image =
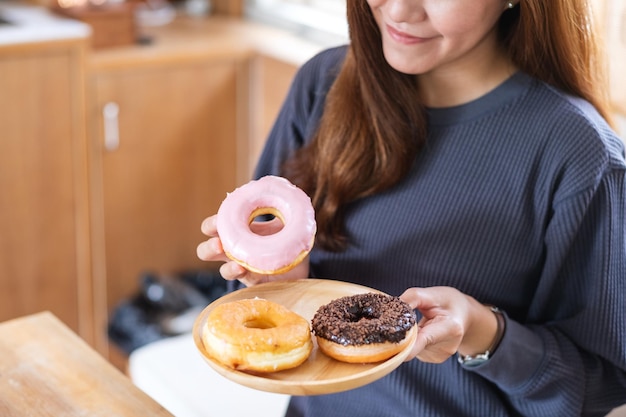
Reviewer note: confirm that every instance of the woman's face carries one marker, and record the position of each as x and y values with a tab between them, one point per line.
421	36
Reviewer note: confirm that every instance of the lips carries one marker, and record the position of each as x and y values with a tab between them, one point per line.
403	37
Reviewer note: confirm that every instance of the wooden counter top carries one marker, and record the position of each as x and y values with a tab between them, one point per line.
187	39
47	370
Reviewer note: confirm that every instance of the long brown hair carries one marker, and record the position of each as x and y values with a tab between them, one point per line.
374	125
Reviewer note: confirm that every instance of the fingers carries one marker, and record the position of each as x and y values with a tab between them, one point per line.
232	270
440	339
436	340
442	326
211	250
425	299
209	226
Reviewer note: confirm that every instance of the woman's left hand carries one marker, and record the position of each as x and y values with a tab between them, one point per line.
451	322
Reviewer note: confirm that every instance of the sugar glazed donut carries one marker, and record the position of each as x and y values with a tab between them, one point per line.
364	328
257	335
270	254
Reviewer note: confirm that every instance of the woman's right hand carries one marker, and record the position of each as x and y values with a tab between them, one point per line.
211	250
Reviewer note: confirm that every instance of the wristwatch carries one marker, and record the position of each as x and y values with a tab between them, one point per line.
480	358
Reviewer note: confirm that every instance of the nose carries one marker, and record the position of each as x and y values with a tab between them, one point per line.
406	11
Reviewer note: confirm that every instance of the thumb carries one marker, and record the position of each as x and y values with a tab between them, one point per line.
422	298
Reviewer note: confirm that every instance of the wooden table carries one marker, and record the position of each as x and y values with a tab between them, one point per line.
47	370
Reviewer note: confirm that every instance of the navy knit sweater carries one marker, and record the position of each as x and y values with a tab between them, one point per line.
519	200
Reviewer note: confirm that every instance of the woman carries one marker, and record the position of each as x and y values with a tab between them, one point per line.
457	154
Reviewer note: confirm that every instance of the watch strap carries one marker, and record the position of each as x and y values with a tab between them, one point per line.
474	360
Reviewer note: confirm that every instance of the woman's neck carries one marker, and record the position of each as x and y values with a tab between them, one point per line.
465	80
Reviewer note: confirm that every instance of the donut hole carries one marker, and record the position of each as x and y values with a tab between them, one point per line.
357	313
259	323
265	221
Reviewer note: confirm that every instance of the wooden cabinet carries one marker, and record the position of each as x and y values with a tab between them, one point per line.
110	160
270	79
164	149
229	7
44	236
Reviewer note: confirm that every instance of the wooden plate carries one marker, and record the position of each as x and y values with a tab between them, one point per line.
319	374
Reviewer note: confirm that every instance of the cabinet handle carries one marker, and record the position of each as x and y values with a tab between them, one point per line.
110	113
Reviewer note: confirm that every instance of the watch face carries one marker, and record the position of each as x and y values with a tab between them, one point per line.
474	360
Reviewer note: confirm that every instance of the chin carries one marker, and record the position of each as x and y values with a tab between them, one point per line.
405	63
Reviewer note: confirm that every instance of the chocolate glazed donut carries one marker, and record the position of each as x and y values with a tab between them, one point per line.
364	328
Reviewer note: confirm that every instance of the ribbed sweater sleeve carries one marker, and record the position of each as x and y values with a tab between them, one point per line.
517	199
574	363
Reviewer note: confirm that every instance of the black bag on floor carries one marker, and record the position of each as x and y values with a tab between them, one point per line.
165	306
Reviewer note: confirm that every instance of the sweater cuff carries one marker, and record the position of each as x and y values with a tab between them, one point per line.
519	356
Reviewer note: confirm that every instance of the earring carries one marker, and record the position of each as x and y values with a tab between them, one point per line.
510	5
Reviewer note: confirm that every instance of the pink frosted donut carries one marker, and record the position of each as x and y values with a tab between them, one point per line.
275	253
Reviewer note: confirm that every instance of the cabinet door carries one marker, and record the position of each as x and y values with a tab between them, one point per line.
271	79
165	158
44	247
